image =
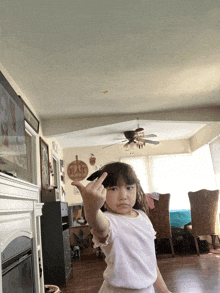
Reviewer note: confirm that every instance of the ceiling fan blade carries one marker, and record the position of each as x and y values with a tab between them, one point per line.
121	140
106	146
139	129
151	141
150	135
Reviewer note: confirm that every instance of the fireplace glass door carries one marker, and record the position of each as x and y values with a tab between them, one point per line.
17	269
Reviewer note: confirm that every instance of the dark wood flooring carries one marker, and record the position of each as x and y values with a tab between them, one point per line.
182	274
87	275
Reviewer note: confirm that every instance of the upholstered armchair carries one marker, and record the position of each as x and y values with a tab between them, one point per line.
160	218
204	215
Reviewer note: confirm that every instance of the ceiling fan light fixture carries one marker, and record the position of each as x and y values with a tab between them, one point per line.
140	144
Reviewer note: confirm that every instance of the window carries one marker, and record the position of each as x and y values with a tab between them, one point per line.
179	174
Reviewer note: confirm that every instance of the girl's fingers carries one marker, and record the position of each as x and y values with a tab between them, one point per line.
104	191
78	185
92	187
100	188
101	178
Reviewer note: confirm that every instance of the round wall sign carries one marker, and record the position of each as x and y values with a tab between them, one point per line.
77	170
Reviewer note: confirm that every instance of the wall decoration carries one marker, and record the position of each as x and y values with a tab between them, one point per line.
77	170
44	164
92	159
30	117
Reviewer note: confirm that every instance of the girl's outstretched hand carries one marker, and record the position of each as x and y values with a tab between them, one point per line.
93	194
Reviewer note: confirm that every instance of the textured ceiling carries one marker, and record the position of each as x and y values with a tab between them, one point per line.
113	134
89	58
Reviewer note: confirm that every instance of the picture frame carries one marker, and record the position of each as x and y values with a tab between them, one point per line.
29	117
44	164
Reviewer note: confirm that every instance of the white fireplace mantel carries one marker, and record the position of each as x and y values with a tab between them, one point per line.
20	213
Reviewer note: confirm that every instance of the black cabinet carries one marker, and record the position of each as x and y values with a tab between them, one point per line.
56	243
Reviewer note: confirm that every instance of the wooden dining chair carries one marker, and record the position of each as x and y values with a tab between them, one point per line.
160	218
204	215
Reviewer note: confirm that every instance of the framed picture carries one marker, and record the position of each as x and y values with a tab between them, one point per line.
13	150
44	163
30	117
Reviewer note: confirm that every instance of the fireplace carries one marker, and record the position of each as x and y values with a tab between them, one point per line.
17	266
20	237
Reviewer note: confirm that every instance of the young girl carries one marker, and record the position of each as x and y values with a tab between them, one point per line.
116	210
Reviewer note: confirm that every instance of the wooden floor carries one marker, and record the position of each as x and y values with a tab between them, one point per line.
87	276
182	274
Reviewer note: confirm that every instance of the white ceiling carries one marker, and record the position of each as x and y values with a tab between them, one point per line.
79	58
113	134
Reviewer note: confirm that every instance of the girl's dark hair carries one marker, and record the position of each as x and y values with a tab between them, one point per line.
117	170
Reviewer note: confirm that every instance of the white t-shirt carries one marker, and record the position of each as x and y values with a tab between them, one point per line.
130	251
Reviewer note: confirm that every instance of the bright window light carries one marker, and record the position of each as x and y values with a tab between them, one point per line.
139	165
179	174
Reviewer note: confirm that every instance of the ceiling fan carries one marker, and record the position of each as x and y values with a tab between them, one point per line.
138	138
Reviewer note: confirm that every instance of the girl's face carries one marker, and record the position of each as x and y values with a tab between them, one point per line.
121	198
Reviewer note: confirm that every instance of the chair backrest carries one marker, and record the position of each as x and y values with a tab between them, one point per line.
160	216
204	211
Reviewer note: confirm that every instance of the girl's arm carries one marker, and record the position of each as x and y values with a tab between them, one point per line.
160	284
99	224
94	196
